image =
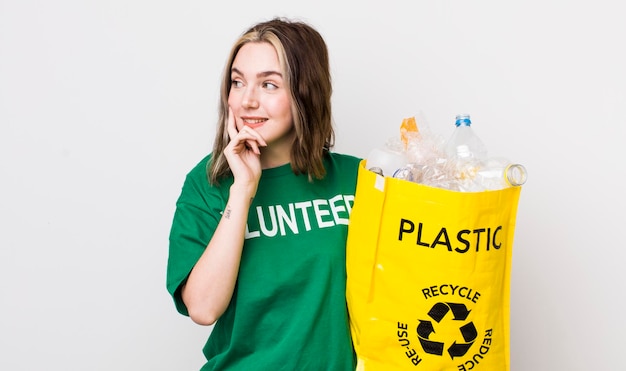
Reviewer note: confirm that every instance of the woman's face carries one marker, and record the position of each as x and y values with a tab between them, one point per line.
259	97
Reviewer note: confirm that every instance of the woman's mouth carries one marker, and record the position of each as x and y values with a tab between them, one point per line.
253	123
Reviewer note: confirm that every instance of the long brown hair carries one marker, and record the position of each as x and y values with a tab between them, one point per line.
303	57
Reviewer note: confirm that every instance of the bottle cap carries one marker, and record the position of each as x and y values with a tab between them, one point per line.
463	119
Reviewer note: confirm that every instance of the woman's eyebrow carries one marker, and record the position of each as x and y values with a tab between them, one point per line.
260	74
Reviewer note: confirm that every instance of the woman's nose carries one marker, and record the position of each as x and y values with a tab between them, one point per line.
250	99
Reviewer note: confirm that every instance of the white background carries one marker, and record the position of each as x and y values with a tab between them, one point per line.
106	105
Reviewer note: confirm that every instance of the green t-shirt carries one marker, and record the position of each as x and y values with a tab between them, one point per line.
288	310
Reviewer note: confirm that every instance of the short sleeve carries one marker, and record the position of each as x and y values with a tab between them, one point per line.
198	211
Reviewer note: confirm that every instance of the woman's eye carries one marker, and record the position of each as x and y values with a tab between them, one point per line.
270	86
236	83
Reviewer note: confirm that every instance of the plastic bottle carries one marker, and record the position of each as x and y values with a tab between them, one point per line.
385	161
464	151
499	173
464	142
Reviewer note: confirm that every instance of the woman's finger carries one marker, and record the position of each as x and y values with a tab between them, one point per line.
253	145
250	136
231	127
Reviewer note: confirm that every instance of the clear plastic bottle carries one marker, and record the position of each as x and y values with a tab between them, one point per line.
464	142
464	152
499	173
385	161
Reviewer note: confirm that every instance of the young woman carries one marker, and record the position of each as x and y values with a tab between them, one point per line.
257	244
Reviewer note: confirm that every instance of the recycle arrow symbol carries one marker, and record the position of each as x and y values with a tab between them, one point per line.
437	313
439	310
460	311
469	335
424	329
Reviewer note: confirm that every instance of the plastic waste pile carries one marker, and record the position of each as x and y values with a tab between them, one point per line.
460	163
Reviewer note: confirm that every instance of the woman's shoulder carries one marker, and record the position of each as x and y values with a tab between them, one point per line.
199	170
343	163
344	158
197	189
198	176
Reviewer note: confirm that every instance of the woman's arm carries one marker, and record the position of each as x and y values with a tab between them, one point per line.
211	283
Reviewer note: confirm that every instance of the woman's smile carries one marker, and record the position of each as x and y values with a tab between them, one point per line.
253	122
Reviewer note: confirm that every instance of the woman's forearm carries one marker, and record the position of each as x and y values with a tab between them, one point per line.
211	282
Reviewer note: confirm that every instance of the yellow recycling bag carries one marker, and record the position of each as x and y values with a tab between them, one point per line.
429	276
